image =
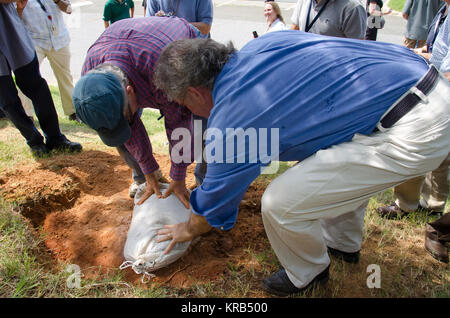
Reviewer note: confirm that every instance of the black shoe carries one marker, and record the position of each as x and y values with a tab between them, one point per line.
391	212
279	283
39	150
65	145
345	256
430	211
74	117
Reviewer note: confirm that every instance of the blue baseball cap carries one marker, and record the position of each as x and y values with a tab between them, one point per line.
98	99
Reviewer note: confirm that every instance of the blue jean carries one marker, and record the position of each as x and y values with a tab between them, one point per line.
136	172
31	83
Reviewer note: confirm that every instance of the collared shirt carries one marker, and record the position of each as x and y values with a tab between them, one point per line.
192	10
341	18
420	15
440	56
277	25
47	33
435	26
134	45
16	46
115	10
321	92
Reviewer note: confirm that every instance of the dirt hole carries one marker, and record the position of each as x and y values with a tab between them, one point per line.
80	205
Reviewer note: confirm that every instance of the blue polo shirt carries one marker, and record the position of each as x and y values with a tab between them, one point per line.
191	11
317	91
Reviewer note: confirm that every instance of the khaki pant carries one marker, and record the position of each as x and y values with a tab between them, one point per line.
433	187
412	44
321	201
60	64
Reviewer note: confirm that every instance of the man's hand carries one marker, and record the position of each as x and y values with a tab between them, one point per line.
405	16
179	189
152	186
160	13
447	76
202	27
21	4
183	232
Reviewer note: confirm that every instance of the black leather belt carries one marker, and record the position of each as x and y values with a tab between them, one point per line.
417	93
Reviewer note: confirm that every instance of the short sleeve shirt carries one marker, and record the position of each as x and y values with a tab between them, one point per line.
341	18
115	10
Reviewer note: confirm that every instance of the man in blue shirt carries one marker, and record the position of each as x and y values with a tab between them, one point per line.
197	12
355	114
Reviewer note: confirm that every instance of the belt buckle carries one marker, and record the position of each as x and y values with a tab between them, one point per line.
380	127
414	90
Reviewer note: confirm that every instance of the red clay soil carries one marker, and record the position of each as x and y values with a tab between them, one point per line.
80	204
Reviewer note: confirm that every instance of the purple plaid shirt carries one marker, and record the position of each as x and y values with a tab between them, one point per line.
134	45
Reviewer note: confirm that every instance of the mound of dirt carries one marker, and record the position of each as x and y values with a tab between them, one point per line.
81	206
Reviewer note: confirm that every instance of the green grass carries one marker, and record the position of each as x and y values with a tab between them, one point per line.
27	269
396	5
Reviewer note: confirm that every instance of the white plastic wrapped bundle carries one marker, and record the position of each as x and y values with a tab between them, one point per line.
141	251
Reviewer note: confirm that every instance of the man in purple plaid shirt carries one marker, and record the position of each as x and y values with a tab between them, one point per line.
117	80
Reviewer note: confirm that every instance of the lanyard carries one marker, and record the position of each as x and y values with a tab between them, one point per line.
309	26
45	10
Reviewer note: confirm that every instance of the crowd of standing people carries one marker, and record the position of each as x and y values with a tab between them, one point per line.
354	112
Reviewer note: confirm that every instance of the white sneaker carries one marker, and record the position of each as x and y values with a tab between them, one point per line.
133	189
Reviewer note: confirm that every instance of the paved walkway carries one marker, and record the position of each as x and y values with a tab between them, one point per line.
234	20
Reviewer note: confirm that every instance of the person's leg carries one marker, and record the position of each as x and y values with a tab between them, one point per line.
338	181
200	168
137	174
26	102
435	189
344	233
29	80
12	107
371	34
408	194
60	63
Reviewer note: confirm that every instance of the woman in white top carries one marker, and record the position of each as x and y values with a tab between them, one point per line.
273	16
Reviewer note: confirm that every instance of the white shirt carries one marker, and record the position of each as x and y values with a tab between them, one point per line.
46	33
440	56
277	25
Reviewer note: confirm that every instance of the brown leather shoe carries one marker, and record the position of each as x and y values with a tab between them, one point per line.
391	212
434	246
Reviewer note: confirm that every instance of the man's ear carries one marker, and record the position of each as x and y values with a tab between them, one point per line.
195	94
132	99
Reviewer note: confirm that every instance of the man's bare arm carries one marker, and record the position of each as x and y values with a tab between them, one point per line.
63	5
202	27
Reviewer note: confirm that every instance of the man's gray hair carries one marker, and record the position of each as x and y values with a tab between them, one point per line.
110	68
190	63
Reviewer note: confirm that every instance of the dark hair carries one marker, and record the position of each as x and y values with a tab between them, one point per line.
190	63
